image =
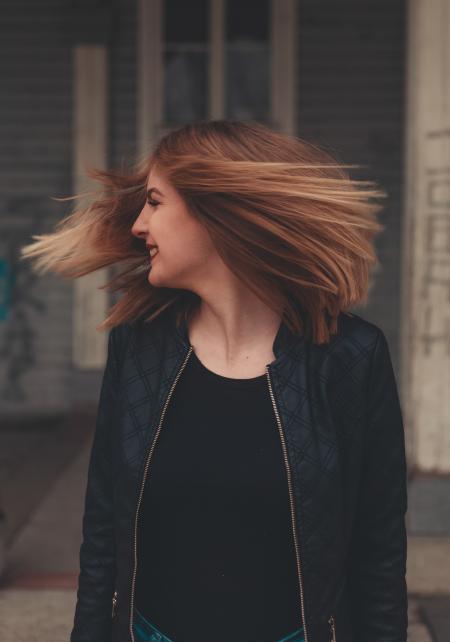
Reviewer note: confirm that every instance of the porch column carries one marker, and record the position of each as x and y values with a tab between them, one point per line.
90	304
426	292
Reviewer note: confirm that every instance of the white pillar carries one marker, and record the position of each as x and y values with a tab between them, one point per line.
426	293
90	150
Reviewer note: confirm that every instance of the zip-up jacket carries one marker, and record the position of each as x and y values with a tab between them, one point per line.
341	430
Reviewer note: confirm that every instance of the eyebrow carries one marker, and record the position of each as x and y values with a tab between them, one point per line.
153	189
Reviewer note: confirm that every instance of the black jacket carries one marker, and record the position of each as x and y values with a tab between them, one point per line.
341	430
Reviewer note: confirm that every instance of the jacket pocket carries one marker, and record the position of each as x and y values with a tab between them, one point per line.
339	623
334	617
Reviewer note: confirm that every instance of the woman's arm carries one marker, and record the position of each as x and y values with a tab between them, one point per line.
92	620
378	588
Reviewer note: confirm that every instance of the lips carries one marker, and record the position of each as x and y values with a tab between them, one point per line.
150	247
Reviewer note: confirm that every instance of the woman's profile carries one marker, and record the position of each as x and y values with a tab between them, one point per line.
247	478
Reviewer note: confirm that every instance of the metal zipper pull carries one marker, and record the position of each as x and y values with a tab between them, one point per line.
114	603
333	629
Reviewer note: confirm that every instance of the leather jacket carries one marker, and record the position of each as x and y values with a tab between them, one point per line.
342	435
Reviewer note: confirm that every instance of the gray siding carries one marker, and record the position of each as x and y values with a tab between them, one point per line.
123	62
351	62
35	161
36	372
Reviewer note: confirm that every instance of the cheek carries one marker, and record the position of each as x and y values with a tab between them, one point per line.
181	238
198	249
185	256
187	237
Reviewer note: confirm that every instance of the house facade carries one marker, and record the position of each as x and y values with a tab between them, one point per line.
95	83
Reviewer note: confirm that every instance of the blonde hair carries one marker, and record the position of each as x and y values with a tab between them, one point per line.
284	216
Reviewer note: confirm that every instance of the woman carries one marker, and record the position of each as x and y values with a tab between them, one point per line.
247	478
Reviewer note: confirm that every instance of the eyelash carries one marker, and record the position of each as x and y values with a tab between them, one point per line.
152	202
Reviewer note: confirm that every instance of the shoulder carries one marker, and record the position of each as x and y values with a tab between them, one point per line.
366	338
357	331
351	350
136	335
369	341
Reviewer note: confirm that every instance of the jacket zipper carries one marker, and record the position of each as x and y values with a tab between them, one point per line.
114	603
291	500
333	628
152	447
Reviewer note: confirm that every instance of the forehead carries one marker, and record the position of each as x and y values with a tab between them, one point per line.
160	184
156	179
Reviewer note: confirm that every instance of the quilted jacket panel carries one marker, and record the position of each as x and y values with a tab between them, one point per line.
340	413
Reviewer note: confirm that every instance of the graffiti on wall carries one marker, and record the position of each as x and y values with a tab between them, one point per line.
19	300
436	243
5	288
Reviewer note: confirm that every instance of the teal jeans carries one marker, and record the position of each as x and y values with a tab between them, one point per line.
144	631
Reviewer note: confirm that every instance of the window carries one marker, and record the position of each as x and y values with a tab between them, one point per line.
215	59
185	53
247	60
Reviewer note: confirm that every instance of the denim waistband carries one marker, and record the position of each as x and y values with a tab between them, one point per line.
145	631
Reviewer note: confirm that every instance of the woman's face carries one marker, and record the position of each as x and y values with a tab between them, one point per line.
185	251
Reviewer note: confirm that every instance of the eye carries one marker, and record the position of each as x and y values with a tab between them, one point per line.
152	202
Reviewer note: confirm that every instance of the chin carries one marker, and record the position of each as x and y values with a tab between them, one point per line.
155	280
152	278
159	281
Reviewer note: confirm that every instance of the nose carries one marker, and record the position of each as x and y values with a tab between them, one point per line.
140	225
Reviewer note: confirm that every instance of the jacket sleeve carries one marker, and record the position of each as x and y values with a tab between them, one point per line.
379	603
92	620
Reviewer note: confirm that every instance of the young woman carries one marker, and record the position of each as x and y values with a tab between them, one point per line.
247	479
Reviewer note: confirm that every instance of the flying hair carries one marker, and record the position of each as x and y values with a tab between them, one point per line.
283	214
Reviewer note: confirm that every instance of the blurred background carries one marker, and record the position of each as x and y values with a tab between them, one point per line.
96	83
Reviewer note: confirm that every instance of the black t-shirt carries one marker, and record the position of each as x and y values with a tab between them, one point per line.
216	556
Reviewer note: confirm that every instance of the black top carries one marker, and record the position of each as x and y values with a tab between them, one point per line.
216	556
